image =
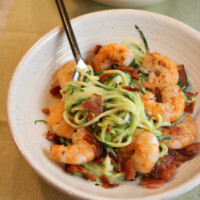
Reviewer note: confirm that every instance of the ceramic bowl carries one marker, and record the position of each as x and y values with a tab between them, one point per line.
29	93
128	3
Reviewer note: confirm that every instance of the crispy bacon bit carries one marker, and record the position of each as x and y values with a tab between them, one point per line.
83	171
46	111
152	183
109	128
96	49
175	130
56	92
128	88
191	150
105	182
120	164
164	171
158	95
190	94
98	146
94	104
52	137
102	157
49	135
133	72
189	107
104	77
129	170
90	116
182	74
113	157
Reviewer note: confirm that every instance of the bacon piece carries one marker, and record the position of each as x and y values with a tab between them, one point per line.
90	116
189	107
191	150
46	111
101	158
190	94
164	171
152	183
128	88
175	130
120	163
94	104
98	146
113	157
158	95
52	137
56	92
82	170
133	72
129	170
105	77
96	49
182	74
105	182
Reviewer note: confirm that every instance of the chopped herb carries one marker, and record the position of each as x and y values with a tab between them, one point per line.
143	37
134	65
164	137
97	184
40	120
62	141
79	174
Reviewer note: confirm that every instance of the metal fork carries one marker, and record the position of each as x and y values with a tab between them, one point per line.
71	37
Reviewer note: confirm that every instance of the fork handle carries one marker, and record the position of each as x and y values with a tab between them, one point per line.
68	30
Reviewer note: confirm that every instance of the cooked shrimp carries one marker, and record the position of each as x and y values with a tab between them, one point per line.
183	135
57	123
65	73
112	54
162	71
79	153
171	108
146	147
146	154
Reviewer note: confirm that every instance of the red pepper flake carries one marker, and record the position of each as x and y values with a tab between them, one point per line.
56	92
175	130
189	107
158	95
46	111
82	170
182	74
109	128
129	170
133	72
96	49
94	104
152	183
128	88
90	116
105	182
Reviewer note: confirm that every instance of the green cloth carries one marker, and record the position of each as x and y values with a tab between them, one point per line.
28	21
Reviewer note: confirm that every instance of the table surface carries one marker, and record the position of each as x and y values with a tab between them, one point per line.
27	22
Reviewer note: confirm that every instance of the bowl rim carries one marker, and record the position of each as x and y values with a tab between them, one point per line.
73	192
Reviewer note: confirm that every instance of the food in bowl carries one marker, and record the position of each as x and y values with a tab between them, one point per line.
128	116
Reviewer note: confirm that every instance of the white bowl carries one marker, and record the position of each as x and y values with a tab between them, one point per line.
29	93
126	3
